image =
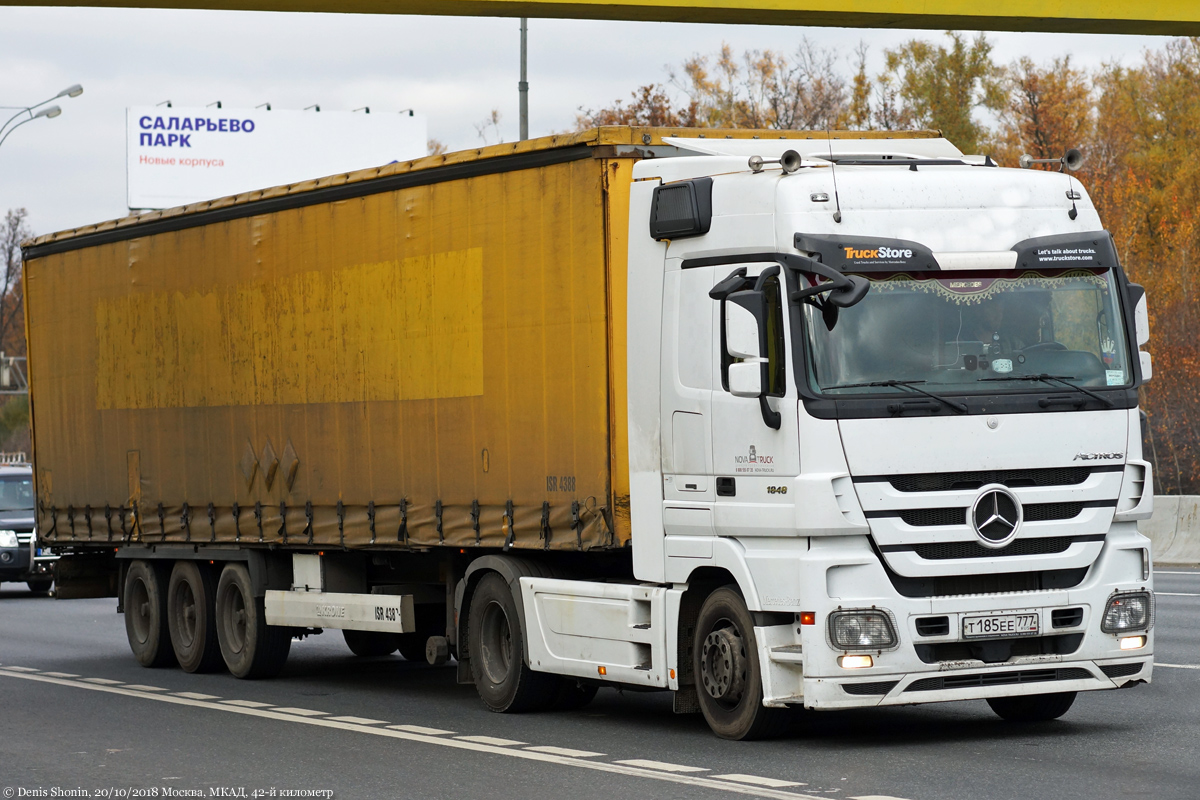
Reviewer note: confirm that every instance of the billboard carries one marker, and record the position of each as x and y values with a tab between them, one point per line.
177	156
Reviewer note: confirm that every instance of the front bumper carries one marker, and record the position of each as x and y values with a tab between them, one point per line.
944	667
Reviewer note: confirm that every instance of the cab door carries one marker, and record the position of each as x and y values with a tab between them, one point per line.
755	464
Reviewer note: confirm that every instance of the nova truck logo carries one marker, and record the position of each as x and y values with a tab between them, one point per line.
754	462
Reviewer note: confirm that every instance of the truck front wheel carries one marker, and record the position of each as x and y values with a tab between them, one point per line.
251	648
725	663
190	617
145	601
1033	707
497	647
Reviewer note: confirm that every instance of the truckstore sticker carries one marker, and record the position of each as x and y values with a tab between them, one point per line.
754	464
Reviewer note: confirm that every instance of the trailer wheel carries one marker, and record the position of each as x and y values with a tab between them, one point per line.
1033	707
145	604
725	663
497	647
370	643
191	617
251	648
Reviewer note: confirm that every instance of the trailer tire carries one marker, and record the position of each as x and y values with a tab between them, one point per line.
191	617
1032	707
366	644
497	647
251	648
728	676
145	602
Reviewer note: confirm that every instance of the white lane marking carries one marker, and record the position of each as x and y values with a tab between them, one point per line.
876	797
104	681
300	712
196	696
546	758
420	729
1165	572
246	703
359	720
663	765
564	751
755	780
1178	594
1177	666
59	674
21	669
141	687
489	740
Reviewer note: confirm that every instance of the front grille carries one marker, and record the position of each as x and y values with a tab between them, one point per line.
878	687
1066	617
1033	512
1012	478
939	551
998	651
1121	670
998	679
24	538
1003	583
929	517
1043	512
933	626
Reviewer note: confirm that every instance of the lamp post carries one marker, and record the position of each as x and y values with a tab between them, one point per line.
50	112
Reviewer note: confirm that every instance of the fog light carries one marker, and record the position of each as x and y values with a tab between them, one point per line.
1128	611
854	662
861	630
1133	642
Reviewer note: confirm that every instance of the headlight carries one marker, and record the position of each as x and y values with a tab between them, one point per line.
861	630
8	538
1128	611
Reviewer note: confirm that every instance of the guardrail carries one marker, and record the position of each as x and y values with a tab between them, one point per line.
1174	529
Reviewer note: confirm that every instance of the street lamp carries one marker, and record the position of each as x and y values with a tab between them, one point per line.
50	112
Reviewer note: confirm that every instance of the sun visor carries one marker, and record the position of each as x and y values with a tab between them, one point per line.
867	253
1064	250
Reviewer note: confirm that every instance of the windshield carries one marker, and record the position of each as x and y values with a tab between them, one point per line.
16	492
962	327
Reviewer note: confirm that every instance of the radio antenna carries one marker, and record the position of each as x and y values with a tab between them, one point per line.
837	214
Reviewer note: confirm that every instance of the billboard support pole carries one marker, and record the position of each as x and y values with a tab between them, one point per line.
523	86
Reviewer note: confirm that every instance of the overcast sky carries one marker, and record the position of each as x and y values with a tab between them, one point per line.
70	171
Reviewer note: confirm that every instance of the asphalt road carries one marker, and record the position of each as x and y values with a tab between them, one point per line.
78	713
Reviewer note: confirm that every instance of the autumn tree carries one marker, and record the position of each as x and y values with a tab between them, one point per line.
940	87
1049	109
12	296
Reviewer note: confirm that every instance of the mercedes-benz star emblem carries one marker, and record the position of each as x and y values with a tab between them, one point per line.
996	515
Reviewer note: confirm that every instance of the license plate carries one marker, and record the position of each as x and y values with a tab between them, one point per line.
997	626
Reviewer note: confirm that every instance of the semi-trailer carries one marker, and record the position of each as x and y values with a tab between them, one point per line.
764	419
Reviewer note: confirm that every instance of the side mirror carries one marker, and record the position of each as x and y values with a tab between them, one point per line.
745	379
1141	320
745	322
1143	356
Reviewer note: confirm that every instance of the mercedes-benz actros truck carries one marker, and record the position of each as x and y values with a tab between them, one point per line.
764	419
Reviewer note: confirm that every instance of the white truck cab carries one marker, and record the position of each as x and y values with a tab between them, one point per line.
890	392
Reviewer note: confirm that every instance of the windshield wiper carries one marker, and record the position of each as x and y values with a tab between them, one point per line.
1063	380
959	407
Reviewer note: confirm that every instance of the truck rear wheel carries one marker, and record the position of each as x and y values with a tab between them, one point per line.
251	648
728	677
370	643
145	602
497	648
191	619
40	586
1032	707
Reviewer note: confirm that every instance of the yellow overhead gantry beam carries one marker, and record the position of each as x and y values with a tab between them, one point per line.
1164	17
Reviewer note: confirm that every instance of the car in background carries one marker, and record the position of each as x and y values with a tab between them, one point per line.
21	560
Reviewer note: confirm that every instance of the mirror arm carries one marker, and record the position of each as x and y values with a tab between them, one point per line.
771	417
